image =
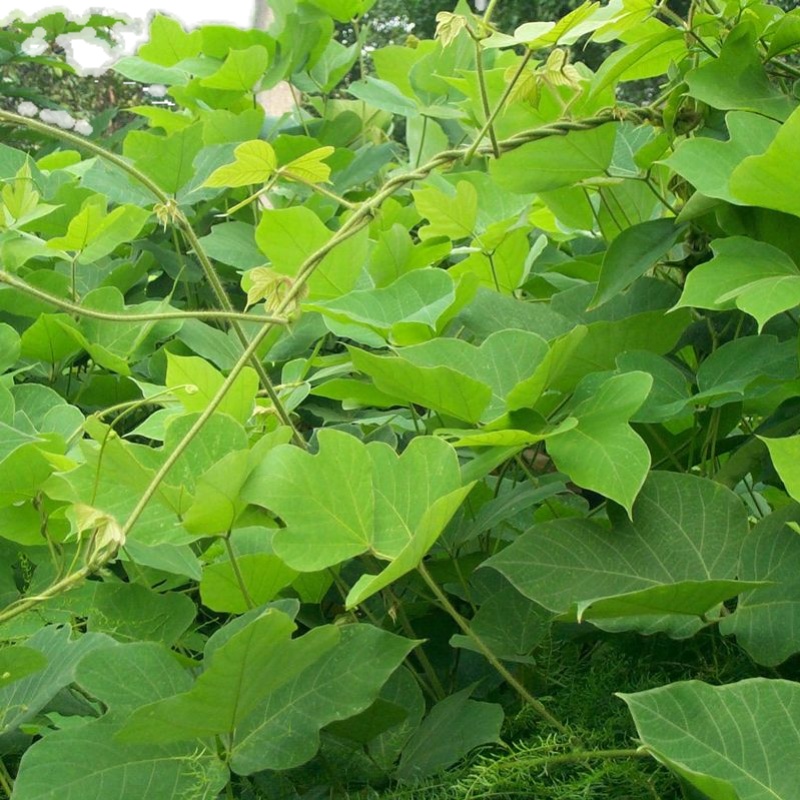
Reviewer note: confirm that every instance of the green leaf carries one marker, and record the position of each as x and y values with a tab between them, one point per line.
454	727
130	612
289	236
10	346
556	161
762	180
255	163
405	312
262	575
745	367
602	452
754	276
453	216
371	501
383	95
708	163
785	455
283	732
241	71
19	661
166	159
684	530
23	699
243	671
232	243
692	598
195	382
737	78
91	765
439	388
767	620
715	736
636	250
310	167
94	234
168	43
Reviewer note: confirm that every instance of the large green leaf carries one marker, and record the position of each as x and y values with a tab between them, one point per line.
442	374
555	161
785	455
763	180
684	530
93	233
195	382
283	731
244	670
91	765
23	699
168	43
371	501
708	163
735	742
737	78
405	312
241	70
451	216
756	277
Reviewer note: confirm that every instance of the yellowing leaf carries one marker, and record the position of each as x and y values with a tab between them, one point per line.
448	26
264	283
310	167
255	163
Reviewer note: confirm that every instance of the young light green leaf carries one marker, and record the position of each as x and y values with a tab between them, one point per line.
310	167
255	163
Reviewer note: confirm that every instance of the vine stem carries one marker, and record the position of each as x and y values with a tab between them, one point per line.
487	15
109	316
487	110
487	652
192	239
498	108
358	220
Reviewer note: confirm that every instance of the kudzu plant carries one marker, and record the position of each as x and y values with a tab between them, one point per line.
343	448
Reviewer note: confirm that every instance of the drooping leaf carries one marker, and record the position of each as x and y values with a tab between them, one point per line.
453	727
636	250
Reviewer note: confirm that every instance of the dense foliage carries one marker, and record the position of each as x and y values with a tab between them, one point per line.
448	422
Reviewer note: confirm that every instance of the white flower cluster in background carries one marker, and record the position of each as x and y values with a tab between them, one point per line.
63	119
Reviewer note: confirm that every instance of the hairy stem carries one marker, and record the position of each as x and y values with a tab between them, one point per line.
109	316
